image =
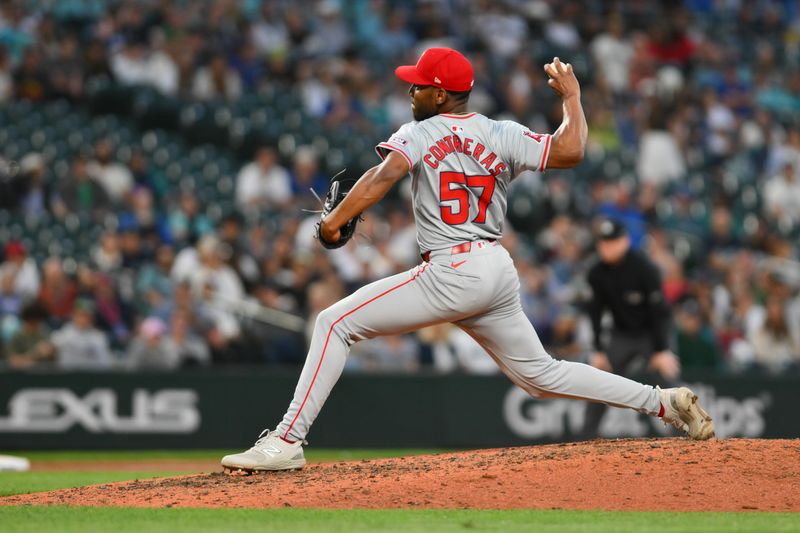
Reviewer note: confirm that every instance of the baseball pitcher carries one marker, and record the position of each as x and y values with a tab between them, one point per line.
461	165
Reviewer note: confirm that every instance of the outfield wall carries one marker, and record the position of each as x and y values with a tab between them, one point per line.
227	409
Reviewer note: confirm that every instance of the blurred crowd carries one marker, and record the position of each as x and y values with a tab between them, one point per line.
694	144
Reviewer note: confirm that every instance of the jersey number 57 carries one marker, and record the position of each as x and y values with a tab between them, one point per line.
460	193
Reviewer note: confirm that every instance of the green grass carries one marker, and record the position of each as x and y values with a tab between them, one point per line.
64	519
24	482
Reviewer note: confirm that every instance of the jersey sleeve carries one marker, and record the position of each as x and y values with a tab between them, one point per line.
405	141
525	150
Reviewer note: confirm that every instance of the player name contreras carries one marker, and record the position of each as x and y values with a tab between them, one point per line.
454	144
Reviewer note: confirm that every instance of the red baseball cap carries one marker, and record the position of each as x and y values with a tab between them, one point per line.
445	68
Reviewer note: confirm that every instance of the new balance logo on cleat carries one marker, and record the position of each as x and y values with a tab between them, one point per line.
270	452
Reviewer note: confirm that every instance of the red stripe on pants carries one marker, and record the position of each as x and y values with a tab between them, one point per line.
328	338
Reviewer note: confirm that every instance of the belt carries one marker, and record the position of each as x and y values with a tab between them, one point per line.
462	248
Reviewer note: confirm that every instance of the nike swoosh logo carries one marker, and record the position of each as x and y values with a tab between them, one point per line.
456	265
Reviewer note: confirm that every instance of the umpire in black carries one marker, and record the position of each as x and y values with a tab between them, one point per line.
627	284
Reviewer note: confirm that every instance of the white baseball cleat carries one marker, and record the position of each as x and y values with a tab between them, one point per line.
682	411
270	452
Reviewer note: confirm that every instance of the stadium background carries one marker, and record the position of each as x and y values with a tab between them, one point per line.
157	162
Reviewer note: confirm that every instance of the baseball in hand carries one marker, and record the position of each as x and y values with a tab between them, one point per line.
562	79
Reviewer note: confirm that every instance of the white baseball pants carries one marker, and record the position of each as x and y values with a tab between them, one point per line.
479	292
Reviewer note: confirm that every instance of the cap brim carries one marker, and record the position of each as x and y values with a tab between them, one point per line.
612	236
409	74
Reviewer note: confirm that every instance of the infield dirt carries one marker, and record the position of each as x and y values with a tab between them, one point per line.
632	474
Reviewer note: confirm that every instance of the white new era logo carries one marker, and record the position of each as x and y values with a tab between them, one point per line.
436	79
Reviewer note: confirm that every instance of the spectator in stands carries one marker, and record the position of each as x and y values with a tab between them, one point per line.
538	301
80	193
306	174
232	240
214	272
65	70
30	79
722	234
257	242
674	282
502	31
97	65
81	346
185	346
107	256
57	293
154	287
695	341
395	38
249	67
136	64
111	315
720	124
144	175
613	52
186	223
115	177
217	287
782	196
143	215
134	254
147	350
775	348
217	80
660	158
30	347
263	183
330	37
10	307
6	78
561	32
161	69
669	43
35	194
20	272
268	32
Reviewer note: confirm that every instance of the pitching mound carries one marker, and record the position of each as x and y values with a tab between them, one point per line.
657	474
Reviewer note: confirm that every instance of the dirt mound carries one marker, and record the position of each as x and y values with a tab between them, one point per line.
654	474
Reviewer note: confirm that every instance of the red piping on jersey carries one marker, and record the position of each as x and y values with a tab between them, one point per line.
448	115
545	154
328	338
398	150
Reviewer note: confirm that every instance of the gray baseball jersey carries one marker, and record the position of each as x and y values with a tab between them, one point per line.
461	166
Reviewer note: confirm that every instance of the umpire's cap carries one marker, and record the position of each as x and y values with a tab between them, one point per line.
610	229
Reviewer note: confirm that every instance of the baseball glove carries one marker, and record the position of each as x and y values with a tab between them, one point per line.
332	199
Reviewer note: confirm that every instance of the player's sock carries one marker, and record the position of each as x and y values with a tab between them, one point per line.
660	410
